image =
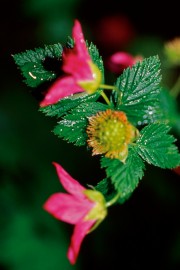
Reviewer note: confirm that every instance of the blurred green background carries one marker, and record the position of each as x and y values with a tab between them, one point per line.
144	232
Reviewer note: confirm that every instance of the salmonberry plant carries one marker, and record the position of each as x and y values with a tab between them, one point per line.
123	123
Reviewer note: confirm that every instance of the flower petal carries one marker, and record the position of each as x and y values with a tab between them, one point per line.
76	60
67	208
63	87
80	231
78	67
69	183
80	43
119	61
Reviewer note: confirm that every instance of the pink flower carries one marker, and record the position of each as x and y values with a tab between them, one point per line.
81	74
119	61
82	207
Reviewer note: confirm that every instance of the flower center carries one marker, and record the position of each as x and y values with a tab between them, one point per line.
109	133
99	211
90	86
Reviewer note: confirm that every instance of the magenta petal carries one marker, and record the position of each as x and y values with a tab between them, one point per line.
76	60
122	58
80	43
80	231
119	61
63	87
78	67
67	208
69	183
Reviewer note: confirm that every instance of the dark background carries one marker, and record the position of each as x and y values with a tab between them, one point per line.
144	232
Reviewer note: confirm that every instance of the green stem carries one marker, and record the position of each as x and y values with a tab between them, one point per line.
175	90
108	87
105	97
111	202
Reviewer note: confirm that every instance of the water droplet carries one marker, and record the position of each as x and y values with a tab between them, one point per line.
34	77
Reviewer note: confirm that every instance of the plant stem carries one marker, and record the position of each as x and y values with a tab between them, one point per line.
105	97
111	202
108	87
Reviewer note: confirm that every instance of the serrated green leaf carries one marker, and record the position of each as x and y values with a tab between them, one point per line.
169	108
125	177
96	58
106	187
139	81
73	126
156	147
138	91
31	62
69	42
143	113
66	104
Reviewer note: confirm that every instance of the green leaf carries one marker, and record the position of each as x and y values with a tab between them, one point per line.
169	108
31	64
66	104
73	126
96	58
69	42
138	91
106	187
125	177
156	147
